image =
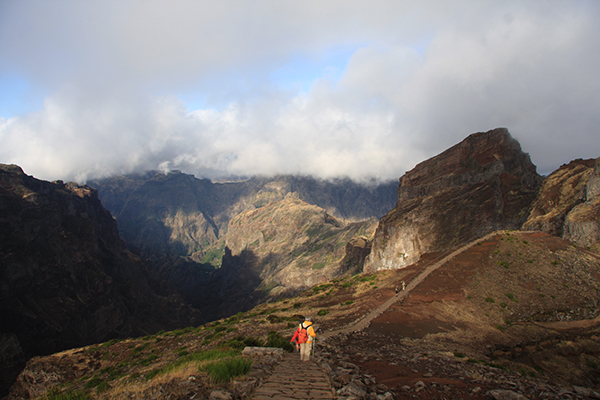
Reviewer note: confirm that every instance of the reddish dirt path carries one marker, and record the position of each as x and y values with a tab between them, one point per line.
420	276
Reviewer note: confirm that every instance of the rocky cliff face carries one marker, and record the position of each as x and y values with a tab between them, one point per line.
296	245
272	252
568	204
67	278
482	184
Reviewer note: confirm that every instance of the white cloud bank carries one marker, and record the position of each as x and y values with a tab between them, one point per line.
421	76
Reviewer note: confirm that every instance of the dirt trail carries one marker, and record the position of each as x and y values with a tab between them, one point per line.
363	323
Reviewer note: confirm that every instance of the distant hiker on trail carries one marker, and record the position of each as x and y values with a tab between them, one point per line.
304	337
295	339
403	286
396	289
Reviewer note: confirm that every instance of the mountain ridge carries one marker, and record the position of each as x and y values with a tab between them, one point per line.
67	277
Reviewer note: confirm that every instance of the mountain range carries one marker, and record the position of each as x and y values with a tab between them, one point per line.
193	251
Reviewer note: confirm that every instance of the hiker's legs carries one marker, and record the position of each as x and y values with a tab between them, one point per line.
305	351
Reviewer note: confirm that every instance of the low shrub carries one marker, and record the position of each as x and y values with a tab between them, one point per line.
511	297
93	382
55	394
225	370
276	340
239	342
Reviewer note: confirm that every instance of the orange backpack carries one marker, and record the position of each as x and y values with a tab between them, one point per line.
303	334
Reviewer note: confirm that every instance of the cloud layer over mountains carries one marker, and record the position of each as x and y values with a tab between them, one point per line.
334	88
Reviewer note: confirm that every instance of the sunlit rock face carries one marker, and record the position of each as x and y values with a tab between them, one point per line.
568	204
482	184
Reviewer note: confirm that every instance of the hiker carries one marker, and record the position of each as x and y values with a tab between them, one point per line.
396	289
295	340
403	286
304	337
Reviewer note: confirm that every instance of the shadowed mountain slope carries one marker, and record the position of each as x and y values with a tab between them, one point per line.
67	279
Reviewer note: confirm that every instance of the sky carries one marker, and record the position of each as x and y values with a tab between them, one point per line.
329	88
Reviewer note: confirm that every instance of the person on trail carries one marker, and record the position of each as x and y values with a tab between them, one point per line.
295	339
403	286
304	337
396	289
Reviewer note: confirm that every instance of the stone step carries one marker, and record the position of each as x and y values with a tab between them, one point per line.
295	379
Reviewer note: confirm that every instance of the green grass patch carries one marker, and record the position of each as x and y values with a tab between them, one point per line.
225	370
322	312
274	339
367	278
111	342
511	297
209	355
93	382
148	360
490	299
318	265
322	287
56	394
238	343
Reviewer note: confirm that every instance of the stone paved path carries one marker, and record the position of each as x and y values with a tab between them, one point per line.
295	379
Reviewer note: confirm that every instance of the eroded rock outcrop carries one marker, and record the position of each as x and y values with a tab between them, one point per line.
482	184
67	278
283	247
568	204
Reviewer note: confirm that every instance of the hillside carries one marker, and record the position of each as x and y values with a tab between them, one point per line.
67	278
514	311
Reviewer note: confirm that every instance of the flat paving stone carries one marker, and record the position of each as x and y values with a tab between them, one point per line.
295	379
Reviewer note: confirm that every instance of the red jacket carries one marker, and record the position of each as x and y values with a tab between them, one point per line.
309	330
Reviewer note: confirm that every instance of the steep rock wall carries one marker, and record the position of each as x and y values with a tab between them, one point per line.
482	184
568	204
67	279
